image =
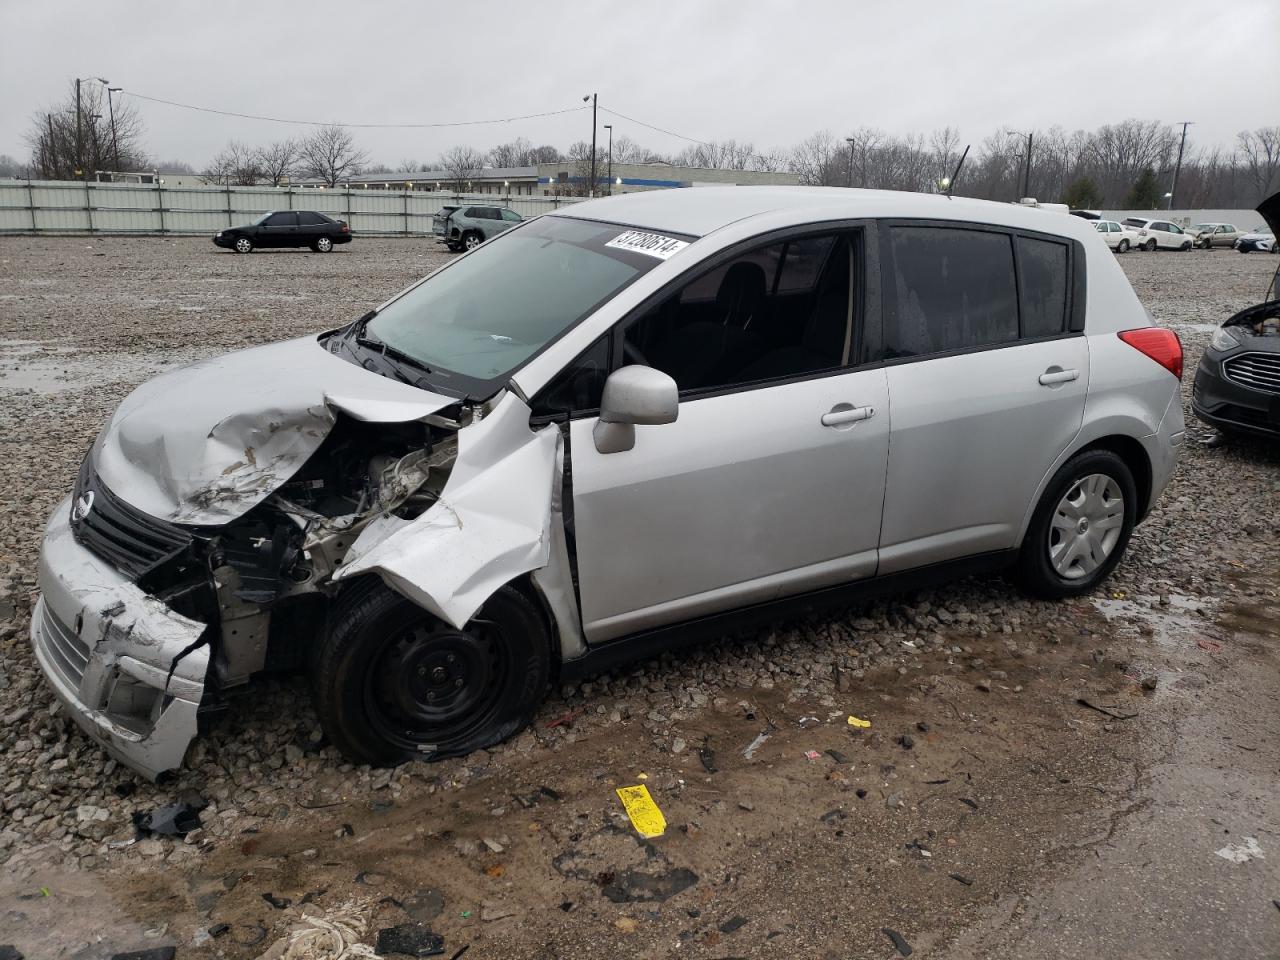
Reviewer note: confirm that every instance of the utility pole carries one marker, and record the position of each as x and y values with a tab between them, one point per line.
592	191
1026	175
79	160
609	127
111	111
849	141
1178	167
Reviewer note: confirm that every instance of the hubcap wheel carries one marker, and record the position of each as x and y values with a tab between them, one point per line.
1086	526
472	242
243	246
325	244
431	685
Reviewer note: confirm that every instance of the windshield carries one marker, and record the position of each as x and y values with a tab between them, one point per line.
261	220
1204	226
493	309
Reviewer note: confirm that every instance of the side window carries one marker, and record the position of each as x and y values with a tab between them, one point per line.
309	219
949	289
472	212
511	215
740	327
578	387
1043	266
802	263
282	220
493	213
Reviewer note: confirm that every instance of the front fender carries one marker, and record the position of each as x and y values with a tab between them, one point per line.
497	519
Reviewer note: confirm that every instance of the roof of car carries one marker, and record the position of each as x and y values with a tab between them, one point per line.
698	211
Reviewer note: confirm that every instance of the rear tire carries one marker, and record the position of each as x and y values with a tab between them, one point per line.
322	245
1080	528
394	683
1123	246
472	239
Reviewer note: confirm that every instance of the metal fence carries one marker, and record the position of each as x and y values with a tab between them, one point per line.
74	207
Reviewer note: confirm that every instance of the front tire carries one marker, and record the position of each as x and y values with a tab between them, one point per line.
1080	527
244	245
394	683
1150	246
1185	246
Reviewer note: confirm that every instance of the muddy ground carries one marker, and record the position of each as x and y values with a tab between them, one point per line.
986	812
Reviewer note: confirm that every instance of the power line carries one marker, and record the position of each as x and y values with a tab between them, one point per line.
670	133
384	126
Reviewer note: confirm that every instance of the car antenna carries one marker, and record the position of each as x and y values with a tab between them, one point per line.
951	183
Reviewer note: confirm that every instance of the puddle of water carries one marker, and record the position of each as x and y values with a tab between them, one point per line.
64	370
1176	623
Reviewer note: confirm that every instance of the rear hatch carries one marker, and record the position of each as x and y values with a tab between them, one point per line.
440	223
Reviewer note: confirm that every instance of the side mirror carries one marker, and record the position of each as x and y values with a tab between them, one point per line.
634	394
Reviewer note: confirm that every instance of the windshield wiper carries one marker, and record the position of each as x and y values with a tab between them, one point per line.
360	333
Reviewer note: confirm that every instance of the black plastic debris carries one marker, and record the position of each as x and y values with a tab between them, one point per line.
174	820
155	953
567	906
410	939
549	793
971	804
837	756
218	929
708	758
899	943
907	742
278	902
347	830
124	789
460	951
9	952
937	783
922	727
860	793
733	924
960	878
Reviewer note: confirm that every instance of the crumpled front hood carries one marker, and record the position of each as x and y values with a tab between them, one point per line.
205	444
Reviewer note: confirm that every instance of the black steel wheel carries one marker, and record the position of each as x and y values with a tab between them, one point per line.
394	683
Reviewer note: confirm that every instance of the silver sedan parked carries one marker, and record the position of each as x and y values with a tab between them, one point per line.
627	424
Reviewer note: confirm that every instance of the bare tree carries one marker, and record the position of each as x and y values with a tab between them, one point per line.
237	165
61	149
1260	151
512	154
278	161
461	165
330	154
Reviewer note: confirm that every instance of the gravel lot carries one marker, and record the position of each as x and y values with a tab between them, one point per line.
1003	778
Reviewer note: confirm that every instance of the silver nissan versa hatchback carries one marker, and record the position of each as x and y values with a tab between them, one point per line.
633	422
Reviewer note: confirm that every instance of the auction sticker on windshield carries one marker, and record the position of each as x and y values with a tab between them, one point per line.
650	244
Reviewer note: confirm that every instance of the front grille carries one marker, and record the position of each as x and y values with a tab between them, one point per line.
128	539
1259	371
70	654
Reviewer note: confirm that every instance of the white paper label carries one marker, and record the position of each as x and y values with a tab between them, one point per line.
650	244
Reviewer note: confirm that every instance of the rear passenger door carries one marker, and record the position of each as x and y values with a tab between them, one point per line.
311	226
987	368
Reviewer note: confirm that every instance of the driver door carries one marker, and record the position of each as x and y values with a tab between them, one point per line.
771	480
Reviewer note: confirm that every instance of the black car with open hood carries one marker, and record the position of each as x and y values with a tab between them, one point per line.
1237	385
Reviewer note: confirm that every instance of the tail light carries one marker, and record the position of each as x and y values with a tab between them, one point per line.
1161	345
345	228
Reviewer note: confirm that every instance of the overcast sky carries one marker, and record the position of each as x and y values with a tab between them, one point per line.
766	72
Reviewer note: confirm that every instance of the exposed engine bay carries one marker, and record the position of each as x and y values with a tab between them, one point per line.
1260	321
260	581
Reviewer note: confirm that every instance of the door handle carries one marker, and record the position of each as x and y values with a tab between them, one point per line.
843	413
1051	377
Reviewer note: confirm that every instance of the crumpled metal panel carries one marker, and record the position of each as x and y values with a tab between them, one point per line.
205	444
492	523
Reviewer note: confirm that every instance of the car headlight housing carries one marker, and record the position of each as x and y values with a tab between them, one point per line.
1223	340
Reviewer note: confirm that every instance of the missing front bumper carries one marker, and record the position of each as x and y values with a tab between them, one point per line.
129	670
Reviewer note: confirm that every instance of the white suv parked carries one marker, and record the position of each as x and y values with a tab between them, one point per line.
616	427
1161	234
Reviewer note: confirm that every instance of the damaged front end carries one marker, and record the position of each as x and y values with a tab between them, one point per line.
166	586
143	625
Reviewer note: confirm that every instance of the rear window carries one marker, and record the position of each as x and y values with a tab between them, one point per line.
950	289
1042	266
1134	222
309	219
